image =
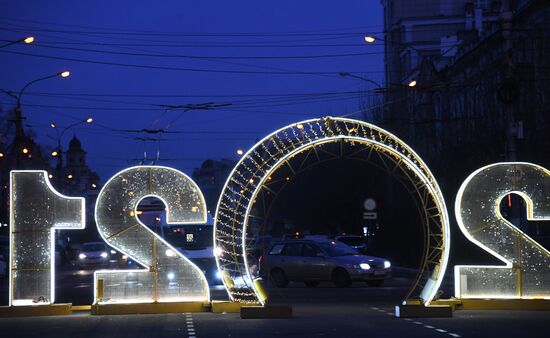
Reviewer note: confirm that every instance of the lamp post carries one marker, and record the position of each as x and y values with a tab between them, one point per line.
58	153
18	118
26	40
369	39
61	74
347	74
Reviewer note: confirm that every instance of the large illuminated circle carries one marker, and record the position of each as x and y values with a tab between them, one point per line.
264	158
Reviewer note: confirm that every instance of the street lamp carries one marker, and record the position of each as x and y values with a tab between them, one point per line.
379	87
60	74
58	153
18	116
240	152
369	39
344	74
26	40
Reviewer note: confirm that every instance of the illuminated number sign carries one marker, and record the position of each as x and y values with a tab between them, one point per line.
169	276
526	273
36	211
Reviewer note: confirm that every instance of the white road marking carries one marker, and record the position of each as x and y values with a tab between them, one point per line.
191	333
389	313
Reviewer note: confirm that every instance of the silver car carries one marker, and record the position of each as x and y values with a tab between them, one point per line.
314	262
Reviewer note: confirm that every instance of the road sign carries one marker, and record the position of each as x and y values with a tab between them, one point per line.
370	215
369	204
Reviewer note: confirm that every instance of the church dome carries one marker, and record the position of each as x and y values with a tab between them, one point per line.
75	144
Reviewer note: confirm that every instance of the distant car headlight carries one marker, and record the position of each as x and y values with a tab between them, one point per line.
104	255
364	266
82	256
113	252
387	264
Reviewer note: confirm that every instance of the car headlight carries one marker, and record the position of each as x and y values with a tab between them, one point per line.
82	256
113	252
104	255
364	266
387	264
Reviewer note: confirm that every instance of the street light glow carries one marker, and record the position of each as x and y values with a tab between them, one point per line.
29	39
25	151
53	125
65	73
89	120
369	39
54	153
412	83
69	176
240	152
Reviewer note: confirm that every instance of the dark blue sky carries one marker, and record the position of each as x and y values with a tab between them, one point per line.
139	55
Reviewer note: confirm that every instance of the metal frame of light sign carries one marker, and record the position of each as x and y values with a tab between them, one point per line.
263	159
525	274
118	224
48	201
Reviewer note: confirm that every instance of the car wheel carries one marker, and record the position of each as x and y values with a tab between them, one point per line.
279	279
341	278
376	282
311	284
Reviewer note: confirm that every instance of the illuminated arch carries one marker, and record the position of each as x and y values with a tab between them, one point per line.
269	154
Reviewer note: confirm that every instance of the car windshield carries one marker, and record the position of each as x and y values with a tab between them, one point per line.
93	247
352	240
337	249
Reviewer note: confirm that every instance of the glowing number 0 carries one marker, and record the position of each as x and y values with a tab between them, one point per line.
169	277
36	211
527	270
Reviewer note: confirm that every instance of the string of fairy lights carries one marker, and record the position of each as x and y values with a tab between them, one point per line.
262	160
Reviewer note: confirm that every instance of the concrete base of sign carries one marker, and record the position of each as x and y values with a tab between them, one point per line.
500	304
148	308
266	312
421	311
219	306
36	310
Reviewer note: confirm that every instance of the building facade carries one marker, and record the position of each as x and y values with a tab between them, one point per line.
486	101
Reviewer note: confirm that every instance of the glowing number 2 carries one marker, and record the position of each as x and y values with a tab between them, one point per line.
36	211
169	277
527	270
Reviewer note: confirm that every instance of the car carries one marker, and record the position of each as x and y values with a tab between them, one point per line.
312	262
93	254
357	242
